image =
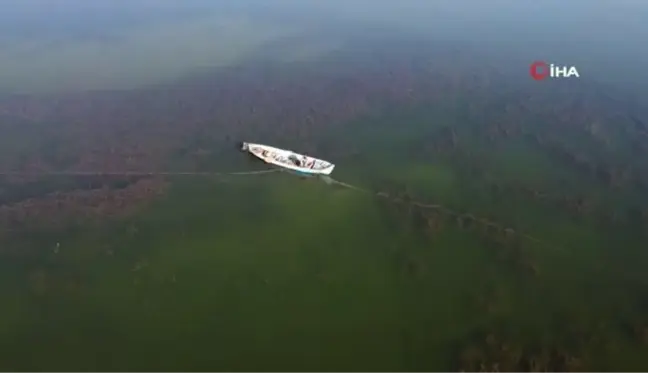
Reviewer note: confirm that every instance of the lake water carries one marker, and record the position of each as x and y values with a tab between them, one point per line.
277	272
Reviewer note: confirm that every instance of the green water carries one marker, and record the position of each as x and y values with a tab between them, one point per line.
276	272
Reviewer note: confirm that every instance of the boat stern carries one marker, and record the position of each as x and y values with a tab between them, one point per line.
328	170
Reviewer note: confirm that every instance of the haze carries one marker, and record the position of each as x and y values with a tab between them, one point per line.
60	45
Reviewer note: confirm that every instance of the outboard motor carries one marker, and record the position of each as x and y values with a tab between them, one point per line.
243	146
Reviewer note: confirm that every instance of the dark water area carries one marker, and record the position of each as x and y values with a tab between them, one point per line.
278	272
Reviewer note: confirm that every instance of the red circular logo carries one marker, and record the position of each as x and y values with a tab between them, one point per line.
539	70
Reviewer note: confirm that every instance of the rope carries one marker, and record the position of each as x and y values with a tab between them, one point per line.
349	186
132	173
445	210
327	179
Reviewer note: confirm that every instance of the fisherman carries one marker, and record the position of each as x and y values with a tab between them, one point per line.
295	160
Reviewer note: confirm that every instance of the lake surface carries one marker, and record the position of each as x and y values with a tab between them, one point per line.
277	272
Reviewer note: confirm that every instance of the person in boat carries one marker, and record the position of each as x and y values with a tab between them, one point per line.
293	158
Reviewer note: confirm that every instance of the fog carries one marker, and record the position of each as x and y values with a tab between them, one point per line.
52	45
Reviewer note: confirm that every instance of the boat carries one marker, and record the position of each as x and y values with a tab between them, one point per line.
288	159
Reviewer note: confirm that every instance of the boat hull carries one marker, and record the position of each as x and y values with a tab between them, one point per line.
289	159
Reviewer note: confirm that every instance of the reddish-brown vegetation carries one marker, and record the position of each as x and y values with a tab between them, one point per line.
59	208
144	129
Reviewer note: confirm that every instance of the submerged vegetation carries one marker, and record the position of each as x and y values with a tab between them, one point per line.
474	223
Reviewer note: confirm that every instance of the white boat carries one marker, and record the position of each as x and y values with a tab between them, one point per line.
289	159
